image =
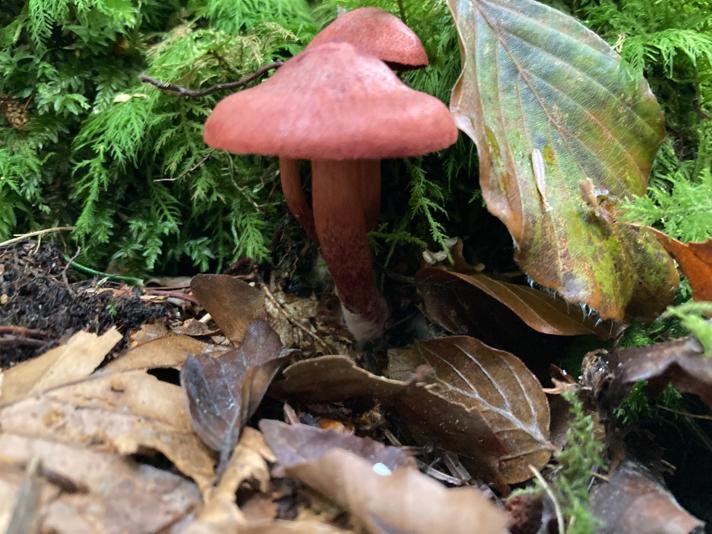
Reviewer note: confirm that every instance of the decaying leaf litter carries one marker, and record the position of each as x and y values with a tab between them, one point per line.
207	451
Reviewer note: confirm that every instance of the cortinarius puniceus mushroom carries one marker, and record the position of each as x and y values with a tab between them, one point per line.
383	35
338	107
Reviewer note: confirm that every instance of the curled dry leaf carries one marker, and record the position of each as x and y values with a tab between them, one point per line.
74	360
248	462
680	362
695	261
224	392
295	444
232	303
452	298
634	502
404	501
118	412
562	134
453	425
494	383
85	490
163	352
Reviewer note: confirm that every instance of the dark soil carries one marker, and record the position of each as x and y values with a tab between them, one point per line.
43	301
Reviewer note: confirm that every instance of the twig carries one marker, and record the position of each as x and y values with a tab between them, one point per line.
439	475
197	93
293	321
19	341
181	295
64	272
23	331
189	170
684	414
550	493
22	237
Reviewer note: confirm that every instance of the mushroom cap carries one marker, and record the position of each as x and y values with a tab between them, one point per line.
376	32
331	102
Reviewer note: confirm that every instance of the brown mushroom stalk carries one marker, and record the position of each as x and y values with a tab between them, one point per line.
294	195
341	226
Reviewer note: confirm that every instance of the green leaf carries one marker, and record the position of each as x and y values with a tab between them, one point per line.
539	91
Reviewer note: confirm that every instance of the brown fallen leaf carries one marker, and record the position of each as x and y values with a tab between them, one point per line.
295	444
403	501
248	462
695	261
494	383
163	352
453	426
232	303
110	493
452	300
224	392
74	360
679	362
123	412
634	502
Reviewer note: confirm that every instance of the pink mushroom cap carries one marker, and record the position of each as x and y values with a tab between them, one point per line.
378	33
331	102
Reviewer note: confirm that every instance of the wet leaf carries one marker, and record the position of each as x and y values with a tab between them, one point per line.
404	501
295	444
695	261
494	383
232	303
634	502
449	301
563	133
453	426
224	392
74	360
85	490
123	412
679	362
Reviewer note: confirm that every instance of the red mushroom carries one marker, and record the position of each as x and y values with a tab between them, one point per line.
379	33
385	36
339	108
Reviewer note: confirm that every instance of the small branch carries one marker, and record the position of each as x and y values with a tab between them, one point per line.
197	93
36	233
557	509
23	331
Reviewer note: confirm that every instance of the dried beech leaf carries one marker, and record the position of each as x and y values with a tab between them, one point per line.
164	352
248	462
74	360
224	392
118	412
563	133
404	501
538	310
494	383
680	362
295	444
634	502
104	492
454	426
232	303
695	261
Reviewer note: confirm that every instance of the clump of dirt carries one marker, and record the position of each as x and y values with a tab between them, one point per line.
42	301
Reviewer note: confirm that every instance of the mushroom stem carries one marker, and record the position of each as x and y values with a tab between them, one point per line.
341	226
370	183
294	195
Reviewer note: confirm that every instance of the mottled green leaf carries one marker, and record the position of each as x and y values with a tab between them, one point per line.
563	134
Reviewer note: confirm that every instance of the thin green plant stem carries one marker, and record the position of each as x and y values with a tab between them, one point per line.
116	277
